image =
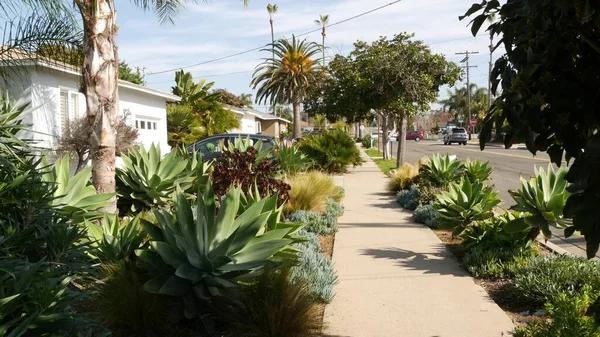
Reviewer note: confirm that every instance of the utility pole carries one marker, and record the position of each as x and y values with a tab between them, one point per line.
467	67
490	71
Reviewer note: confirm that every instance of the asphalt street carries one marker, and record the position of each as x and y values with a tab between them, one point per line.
508	166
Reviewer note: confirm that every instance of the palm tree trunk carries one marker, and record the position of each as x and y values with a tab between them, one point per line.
323	46
272	38
401	138
297	129
100	78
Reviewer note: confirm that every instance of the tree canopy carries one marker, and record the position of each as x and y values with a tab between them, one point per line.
549	78
397	77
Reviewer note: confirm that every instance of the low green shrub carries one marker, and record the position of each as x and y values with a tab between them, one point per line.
402	178
310	191
276	306
567	317
332	152
429	193
409	199
498	263
491	234
314	268
543	279
319	223
425	214
366	141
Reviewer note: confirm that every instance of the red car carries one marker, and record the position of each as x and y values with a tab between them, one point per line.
414	135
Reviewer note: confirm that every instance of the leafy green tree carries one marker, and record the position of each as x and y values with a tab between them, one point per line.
403	77
214	118
287	77
226	97
396	77
127	74
549	80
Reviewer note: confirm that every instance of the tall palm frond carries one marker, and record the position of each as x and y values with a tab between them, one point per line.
287	76
165	10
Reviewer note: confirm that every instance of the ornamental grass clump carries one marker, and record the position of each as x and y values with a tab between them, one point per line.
402	178
310	191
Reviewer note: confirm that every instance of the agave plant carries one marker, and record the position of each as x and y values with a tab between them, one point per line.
115	240
477	170
491	234
543	199
146	180
465	203
242	145
441	170
200	258
74	197
292	160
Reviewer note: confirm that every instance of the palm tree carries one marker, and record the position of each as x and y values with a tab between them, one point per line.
272	9
286	77
323	21
100	65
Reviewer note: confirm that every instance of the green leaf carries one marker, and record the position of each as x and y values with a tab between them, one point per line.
516	225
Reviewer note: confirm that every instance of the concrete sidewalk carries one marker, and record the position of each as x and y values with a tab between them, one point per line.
396	278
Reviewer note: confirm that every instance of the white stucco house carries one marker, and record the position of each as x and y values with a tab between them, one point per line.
53	90
253	121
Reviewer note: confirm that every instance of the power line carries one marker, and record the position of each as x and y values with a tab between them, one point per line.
263	46
207	76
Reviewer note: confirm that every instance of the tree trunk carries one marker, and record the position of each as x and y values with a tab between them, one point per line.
297	129
323	46
401	138
384	140
498	123
100	78
272	38
360	131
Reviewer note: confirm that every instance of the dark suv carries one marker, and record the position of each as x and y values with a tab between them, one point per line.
210	148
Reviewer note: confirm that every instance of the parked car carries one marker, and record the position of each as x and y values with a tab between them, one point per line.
309	133
414	135
211	147
455	135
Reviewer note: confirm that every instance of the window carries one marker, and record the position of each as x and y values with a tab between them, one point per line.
143	124
64	111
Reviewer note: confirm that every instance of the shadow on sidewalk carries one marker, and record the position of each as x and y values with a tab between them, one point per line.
441	263
381	225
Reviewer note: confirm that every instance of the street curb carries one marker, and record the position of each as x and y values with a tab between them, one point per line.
552	247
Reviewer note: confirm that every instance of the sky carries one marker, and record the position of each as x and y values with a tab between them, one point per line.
219	28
